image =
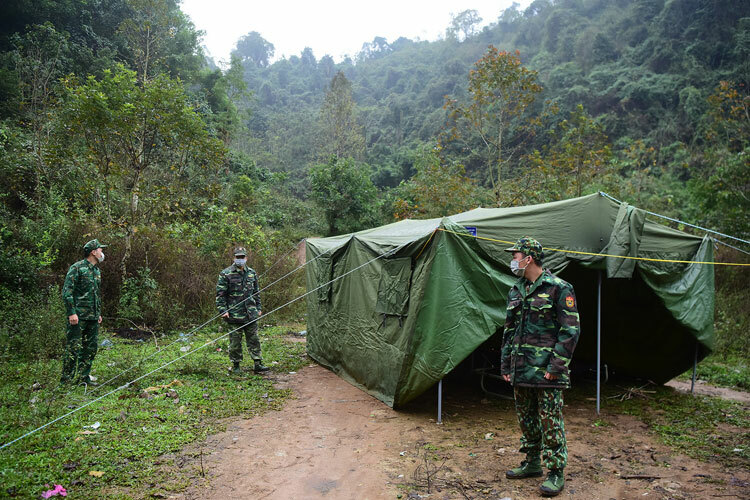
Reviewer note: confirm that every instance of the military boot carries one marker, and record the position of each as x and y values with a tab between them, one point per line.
235	369
531	467
259	367
554	483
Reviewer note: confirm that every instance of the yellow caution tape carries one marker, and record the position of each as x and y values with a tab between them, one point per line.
597	254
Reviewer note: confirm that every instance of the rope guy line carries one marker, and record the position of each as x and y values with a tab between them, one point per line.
210	342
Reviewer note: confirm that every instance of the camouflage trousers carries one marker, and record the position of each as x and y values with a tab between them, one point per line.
80	349
539	411
250	332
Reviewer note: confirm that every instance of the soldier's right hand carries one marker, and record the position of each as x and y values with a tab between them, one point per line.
225	315
73	319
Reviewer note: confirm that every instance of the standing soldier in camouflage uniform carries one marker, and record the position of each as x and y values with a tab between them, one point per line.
238	302
541	331
83	305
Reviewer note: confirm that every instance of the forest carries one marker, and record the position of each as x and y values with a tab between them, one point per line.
115	125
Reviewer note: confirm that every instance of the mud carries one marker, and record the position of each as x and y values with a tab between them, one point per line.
333	441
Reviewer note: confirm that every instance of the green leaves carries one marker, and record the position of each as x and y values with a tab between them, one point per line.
343	190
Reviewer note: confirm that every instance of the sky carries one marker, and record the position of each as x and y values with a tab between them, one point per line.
334	27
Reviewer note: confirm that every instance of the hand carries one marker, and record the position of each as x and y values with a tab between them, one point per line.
73	319
506	378
260	313
550	376
100	320
225	315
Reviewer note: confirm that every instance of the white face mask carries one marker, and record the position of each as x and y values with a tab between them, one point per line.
516	269
100	257
240	262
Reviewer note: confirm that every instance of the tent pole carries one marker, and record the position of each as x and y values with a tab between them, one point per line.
440	402
695	369
599	344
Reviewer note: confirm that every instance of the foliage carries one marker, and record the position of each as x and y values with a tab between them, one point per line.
577	157
341	135
437	190
344	192
723	188
139	426
32	328
147	145
500	91
137	296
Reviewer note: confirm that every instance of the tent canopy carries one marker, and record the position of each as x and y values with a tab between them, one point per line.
398	324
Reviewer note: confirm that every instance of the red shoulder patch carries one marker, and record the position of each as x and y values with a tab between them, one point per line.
570	301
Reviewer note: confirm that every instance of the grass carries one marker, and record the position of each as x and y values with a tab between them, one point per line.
729	371
702	427
139	425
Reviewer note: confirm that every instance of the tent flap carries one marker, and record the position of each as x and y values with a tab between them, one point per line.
399	323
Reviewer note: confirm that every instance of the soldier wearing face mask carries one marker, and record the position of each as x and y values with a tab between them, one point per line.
83	305
540	335
238	302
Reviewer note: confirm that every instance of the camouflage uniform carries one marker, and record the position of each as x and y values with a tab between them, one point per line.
540	335
237	292
81	295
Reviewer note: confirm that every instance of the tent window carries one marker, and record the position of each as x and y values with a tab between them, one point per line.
324	271
393	289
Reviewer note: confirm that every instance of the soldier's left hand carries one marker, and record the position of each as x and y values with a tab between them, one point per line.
260	313
100	319
550	376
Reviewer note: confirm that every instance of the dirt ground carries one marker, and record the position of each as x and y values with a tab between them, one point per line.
334	441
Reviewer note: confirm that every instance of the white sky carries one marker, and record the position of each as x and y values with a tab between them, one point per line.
334	27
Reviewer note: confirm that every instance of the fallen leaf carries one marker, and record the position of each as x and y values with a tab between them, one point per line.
88	432
96	473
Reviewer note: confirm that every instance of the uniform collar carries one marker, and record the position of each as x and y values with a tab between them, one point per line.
526	287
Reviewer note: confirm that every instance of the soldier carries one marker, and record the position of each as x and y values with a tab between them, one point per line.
238	302
541	331
83	305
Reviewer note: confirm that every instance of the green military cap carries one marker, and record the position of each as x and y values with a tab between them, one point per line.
239	251
528	246
91	246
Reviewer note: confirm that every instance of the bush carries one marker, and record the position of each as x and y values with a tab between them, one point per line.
32	326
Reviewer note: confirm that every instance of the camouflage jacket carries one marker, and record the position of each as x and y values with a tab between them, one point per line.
234	286
80	292
541	332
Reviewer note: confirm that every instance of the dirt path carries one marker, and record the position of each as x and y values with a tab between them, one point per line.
335	442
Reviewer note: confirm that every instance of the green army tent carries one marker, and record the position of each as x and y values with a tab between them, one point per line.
415	298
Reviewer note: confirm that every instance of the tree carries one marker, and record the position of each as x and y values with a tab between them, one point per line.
463	25
578	156
341	136
722	188
500	91
39	58
255	49
437	189
149	149
343	190
148	31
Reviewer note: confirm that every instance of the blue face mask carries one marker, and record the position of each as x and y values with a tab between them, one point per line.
240	262
516	269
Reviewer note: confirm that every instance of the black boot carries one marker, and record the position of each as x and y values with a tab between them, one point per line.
235	370
259	367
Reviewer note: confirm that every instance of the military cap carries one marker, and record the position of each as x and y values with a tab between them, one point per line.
239	251
91	246
528	246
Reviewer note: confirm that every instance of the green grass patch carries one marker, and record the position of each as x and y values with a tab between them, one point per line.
140	425
702	427
723	371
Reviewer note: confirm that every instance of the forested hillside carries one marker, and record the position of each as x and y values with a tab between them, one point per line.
113	124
